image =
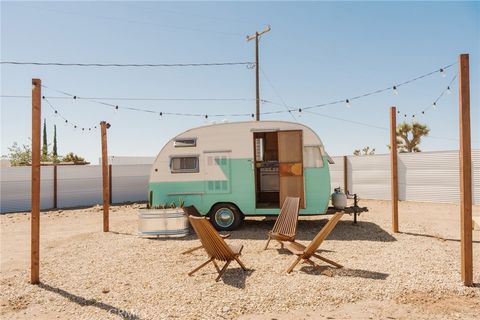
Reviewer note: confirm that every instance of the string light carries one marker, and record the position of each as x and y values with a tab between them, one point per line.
434	106
443	73
449	92
65	121
289	110
299	112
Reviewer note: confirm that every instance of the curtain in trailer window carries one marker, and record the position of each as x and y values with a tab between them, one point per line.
312	157
184	164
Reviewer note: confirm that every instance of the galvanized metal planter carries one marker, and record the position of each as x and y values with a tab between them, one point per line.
168	223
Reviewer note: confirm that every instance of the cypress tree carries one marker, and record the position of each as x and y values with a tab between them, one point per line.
45	145
55	155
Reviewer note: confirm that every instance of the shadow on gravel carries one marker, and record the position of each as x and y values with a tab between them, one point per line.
344	272
124	314
307	229
236	277
433	236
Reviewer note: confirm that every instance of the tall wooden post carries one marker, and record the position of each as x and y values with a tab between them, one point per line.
345	174
35	218
256	36
465	172
394	167
106	196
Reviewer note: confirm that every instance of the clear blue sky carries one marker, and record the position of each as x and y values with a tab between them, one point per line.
315	53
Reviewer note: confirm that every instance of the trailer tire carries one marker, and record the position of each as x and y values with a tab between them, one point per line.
225	217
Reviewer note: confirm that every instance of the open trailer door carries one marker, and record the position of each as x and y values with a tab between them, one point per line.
290	158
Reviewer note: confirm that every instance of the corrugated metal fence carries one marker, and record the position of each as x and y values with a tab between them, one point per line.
425	176
76	186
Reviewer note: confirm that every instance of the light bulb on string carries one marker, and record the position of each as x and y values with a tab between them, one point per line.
206	118
253	116
347	102
395	91
449	91
161	114
116	109
66	122
434	106
56	113
299	112
443	73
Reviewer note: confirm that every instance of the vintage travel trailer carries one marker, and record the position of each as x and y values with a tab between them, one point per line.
232	170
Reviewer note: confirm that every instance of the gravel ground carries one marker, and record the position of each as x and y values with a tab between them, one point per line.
88	274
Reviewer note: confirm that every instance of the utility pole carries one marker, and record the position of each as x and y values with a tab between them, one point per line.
257	69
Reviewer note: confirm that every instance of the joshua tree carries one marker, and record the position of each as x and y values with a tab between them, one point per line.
54	151
365	151
409	136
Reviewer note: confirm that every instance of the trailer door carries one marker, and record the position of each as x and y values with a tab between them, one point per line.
290	158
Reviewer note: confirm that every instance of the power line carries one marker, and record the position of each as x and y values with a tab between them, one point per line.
277	94
142	65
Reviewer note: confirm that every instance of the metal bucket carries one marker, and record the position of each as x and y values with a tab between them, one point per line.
169	223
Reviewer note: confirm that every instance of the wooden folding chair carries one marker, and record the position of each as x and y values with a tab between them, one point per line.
216	248
305	253
285	227
192	211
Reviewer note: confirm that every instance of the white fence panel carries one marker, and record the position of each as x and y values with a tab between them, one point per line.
369	176
16	186
130	182
79	186
336	173
476	176
429	176
425	176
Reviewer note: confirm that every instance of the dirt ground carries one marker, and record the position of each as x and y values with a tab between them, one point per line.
88	274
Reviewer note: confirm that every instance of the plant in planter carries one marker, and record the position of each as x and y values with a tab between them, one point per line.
167	220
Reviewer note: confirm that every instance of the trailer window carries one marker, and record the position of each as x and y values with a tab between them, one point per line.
312	157
185	142
184	164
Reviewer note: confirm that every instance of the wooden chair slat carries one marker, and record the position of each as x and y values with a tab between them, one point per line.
306	253
214	245
285	227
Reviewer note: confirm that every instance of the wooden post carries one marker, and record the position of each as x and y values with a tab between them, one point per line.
55	186
106	198
35	218
110	183
394	167
345	174
465	172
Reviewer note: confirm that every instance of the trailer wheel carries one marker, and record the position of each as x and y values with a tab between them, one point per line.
225	217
